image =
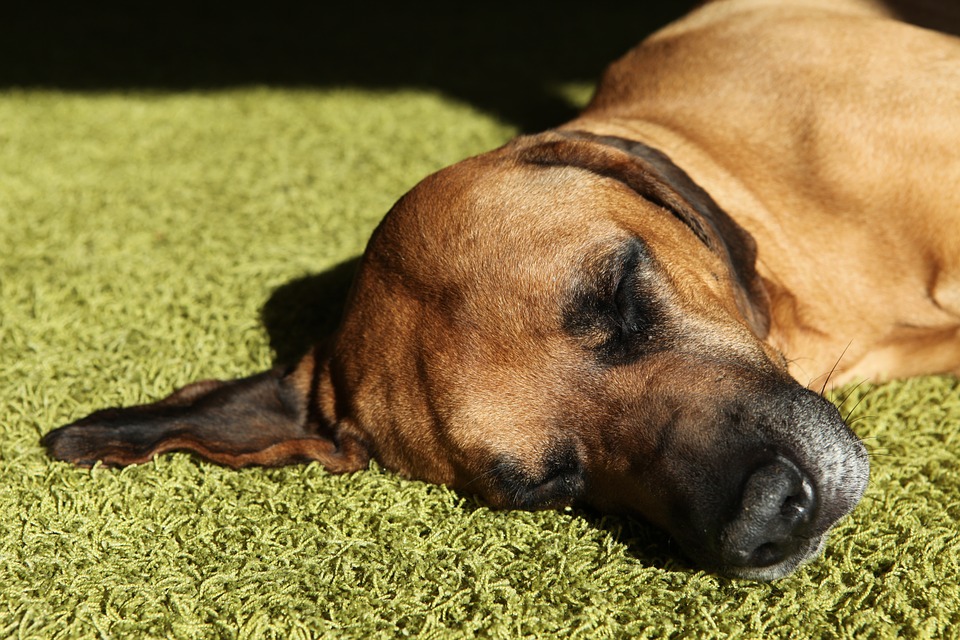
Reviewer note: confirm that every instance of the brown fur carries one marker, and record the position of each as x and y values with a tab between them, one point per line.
617	313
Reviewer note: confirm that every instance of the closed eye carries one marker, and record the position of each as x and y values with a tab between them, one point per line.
625	299
620	316
634	300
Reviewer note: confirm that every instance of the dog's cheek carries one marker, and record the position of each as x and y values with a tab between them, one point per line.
556	480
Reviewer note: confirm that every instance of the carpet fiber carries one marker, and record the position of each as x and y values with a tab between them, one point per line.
160	233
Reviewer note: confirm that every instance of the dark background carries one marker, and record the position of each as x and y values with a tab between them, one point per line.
501	57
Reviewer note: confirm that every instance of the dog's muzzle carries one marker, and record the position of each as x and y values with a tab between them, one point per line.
789	470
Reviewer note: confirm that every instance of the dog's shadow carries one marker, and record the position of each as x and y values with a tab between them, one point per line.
648	544
305	312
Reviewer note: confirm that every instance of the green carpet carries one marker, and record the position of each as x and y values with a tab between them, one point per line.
157	234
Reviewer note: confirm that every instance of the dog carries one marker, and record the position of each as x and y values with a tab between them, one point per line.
634	311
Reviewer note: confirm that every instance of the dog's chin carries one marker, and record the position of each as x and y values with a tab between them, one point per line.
810	550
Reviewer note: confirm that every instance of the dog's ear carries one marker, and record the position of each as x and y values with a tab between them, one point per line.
270	419
653	176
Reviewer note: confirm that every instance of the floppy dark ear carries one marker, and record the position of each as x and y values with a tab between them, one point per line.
269	419
652	175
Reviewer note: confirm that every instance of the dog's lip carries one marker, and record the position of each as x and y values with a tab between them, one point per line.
807	552
809	549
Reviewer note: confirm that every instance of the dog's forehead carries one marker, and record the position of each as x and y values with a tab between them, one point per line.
498	219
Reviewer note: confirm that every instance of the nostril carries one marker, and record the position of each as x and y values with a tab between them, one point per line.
798	504
777	503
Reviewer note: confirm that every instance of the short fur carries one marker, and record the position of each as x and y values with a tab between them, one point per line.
625	312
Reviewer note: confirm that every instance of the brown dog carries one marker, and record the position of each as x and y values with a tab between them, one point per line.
615	313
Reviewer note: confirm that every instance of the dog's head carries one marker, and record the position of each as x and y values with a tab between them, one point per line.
570	319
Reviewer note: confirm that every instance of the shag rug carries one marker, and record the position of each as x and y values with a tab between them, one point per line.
181	197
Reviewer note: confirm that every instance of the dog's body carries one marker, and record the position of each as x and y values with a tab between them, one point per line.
831	137
613	313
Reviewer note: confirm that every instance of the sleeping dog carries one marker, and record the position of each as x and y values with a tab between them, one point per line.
629	312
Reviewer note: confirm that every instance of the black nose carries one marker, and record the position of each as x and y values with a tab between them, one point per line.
778	504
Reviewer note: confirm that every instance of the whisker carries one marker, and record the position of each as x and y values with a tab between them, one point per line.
834	369
850	413
480	476
851	392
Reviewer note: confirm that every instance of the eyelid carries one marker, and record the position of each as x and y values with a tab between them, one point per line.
623	294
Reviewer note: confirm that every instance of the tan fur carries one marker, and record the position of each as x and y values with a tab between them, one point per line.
617	313
848	160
